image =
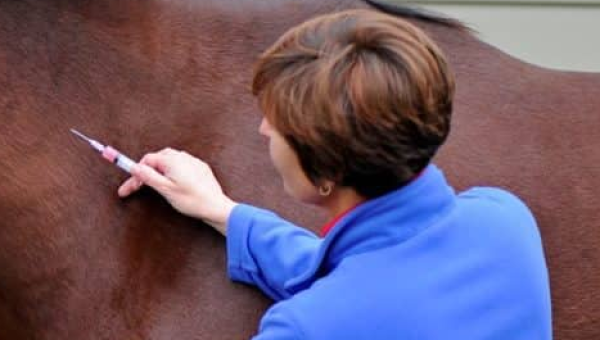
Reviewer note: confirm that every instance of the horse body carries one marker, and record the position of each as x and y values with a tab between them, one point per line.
78	262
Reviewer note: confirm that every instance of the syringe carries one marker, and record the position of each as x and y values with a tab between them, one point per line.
109	153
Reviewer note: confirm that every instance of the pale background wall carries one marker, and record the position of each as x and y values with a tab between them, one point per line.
558	34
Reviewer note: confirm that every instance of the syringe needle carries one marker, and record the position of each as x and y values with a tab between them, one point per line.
95	144
80	134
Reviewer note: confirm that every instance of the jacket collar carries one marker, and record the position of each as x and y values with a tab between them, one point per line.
382	222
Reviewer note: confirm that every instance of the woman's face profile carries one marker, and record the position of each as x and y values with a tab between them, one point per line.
287	164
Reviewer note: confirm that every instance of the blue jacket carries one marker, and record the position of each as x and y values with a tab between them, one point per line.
420	263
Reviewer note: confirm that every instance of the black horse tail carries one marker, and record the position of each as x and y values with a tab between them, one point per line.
416	13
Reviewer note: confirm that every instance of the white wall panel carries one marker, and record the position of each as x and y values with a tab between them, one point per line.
552	33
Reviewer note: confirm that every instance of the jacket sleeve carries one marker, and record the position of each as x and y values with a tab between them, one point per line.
278	325
267	251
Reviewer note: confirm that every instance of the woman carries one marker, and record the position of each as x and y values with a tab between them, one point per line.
355	106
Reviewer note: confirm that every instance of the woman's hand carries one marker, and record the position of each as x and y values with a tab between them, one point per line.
186	182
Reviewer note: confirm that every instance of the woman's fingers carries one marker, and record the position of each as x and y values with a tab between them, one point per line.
131	185
149	176
151	170
159	161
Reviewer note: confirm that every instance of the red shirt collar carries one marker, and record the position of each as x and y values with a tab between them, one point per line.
327	227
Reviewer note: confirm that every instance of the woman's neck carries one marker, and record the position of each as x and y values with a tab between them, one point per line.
341	200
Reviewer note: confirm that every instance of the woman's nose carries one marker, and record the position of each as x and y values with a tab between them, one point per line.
264	128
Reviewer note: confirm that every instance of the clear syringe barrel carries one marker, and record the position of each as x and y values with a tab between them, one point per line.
120	160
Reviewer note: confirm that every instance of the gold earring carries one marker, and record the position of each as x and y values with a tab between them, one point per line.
325	190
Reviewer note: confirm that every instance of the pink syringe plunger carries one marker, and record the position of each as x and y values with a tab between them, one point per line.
109	153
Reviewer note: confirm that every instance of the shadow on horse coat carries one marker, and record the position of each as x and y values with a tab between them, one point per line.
76	262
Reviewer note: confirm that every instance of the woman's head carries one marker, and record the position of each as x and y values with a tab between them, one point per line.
364	99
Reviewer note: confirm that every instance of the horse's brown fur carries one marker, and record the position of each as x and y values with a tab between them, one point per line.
78	262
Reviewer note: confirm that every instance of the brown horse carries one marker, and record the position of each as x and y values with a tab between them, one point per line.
76	262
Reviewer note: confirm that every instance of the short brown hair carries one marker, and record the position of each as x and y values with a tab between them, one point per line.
362	97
